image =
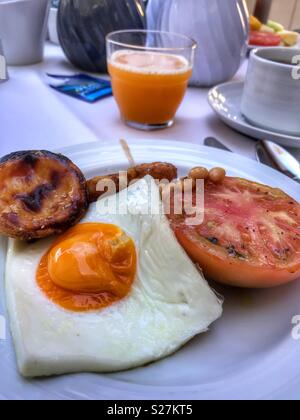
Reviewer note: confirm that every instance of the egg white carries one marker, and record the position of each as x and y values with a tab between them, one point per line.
170	301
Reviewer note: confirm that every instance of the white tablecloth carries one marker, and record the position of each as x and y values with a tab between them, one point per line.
34	116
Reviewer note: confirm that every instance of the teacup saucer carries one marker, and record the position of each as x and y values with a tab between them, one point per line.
225	100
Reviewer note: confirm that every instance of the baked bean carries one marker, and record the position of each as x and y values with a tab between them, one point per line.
199	173
217	175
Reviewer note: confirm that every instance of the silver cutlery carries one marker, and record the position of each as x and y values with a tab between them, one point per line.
268	153
277	157
213	142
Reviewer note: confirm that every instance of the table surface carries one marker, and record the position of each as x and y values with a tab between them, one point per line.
34	116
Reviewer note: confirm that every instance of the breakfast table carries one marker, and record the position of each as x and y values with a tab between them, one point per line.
34	116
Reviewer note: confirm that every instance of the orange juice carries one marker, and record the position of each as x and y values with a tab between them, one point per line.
148	86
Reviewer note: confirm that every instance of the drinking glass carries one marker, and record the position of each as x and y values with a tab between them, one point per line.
150	71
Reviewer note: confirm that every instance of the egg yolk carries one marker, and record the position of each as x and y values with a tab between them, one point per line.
90	267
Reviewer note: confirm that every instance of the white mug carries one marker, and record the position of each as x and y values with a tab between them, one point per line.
271	98
23	29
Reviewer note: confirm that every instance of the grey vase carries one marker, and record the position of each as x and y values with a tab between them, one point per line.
84	24
220	27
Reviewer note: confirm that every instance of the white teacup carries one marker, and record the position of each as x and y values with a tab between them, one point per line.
271	98
23	29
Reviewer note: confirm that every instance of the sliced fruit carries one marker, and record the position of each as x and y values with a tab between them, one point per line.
266	28
277	27
289	38
264	39
255	24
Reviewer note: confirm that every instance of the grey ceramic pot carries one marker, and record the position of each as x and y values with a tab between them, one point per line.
219	26
84	24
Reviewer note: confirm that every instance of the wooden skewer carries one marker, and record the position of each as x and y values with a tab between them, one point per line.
127	152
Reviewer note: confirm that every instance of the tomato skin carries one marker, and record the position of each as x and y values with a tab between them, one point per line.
233	272
264	39
250	236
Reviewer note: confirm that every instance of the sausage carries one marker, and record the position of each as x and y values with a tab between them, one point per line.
158	170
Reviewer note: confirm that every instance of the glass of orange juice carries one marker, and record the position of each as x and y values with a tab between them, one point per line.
150	71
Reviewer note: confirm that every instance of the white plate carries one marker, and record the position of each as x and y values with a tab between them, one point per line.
249	353
225	100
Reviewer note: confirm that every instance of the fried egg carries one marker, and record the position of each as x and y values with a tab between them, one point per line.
115	292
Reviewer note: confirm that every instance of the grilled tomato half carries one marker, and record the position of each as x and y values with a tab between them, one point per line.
250	236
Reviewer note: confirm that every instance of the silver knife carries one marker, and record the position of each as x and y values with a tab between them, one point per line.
277	157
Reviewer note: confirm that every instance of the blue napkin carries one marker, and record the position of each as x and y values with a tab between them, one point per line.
82	86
